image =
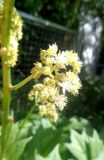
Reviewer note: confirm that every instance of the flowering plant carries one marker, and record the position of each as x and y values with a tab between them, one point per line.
57	70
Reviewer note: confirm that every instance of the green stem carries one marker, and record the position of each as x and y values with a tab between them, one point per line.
21	84
6	21
6	71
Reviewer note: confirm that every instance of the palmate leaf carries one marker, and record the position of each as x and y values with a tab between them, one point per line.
44	138
84	147
53	155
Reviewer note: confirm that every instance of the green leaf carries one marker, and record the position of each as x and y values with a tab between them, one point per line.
101	157
85	147
16	144
18	149
44	138
54	155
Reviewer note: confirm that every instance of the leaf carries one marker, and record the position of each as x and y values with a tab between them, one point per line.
85	147
101	157
76	123
18	149
54	155
15	146
44	139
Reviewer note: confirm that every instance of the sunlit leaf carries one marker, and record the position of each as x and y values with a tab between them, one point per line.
84	147
54	155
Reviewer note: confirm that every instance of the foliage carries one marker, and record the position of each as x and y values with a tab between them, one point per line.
84	147
95	6
46	137
58	11
53	155
42	140
62	12
17	145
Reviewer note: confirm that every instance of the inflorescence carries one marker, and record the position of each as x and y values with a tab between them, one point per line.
58	72
11	53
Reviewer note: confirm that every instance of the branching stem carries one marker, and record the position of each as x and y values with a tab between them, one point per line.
21	84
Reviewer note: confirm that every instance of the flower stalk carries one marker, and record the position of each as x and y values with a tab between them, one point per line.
21	84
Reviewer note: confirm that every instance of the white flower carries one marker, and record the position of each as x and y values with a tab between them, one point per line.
66	86
61	58
61	101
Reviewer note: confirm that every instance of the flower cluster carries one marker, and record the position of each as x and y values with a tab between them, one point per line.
11	53
60	74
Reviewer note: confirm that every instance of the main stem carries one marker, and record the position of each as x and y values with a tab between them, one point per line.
5	39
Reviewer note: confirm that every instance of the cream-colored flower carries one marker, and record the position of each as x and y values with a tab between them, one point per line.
11	53
60	77
48	81
43	54
60	72
61	101
42	110
66	86
37	70
77	67
61	58
46	70
51	112
71	81
52	49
